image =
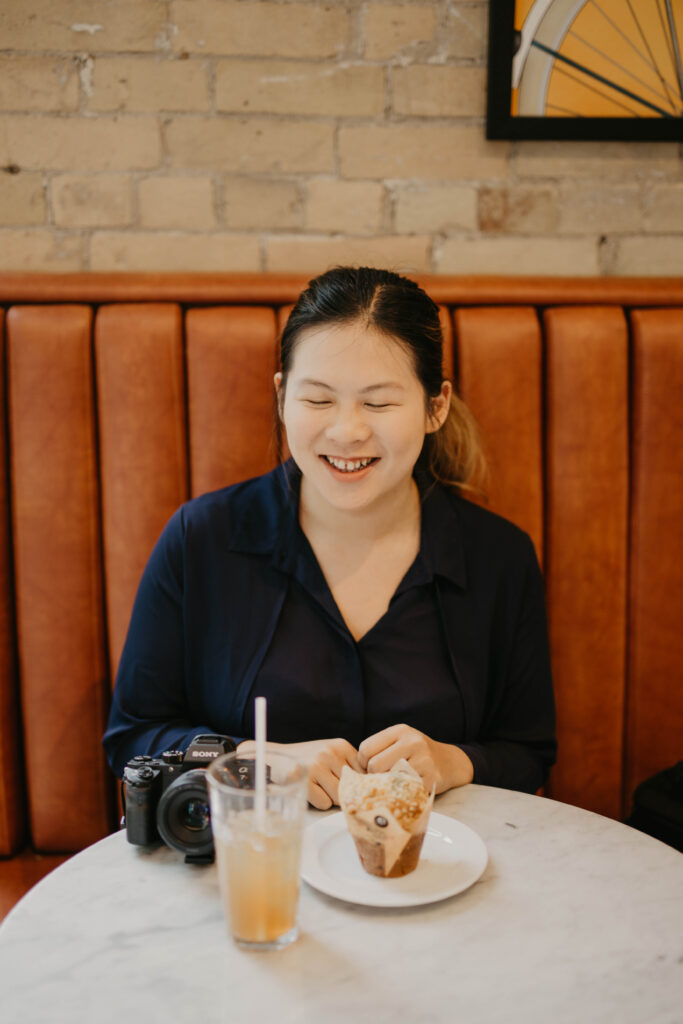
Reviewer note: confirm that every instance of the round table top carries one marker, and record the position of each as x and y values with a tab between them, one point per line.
576	918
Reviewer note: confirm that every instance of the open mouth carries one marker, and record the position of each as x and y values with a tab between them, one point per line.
349	465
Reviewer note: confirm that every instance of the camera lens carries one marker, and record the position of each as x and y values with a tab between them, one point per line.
183	818
194	815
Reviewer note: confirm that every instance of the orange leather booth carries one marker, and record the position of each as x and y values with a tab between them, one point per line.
126	394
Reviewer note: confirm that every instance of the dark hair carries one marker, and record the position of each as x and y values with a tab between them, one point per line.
401	310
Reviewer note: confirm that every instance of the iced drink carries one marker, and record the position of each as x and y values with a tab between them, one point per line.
259	879
258	847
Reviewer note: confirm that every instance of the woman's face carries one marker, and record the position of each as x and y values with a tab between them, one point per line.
356	415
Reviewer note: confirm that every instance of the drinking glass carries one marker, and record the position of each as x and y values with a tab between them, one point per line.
258	845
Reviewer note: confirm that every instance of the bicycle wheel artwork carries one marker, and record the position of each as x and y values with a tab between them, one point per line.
585	69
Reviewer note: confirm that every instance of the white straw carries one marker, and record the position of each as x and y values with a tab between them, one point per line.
260	795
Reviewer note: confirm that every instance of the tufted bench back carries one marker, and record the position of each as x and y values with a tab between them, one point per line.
123	395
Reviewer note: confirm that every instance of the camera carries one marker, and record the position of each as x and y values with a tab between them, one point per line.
167	798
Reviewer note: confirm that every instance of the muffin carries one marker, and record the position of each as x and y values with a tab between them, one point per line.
386	814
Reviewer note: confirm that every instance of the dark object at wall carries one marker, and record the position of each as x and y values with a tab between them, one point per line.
658	806
547	79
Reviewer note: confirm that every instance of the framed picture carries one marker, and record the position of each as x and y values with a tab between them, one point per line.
585	69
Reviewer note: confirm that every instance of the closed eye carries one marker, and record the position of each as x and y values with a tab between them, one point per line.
317	401
379	405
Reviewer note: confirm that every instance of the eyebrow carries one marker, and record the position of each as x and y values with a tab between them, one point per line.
371	387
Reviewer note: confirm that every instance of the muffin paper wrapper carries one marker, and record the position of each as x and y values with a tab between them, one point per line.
393	837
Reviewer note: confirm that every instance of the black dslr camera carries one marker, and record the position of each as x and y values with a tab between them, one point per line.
167	798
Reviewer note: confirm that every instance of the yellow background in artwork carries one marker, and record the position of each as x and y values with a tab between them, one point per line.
604	36
522	8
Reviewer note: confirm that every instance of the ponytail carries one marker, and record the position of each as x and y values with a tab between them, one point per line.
454	453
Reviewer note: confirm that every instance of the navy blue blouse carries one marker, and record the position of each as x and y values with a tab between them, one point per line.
398	672
233	605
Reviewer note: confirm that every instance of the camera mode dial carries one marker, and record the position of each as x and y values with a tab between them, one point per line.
172	756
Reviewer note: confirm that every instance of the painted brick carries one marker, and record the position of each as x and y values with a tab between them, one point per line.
257	144
22	199
466	32
39	249
391	30
613	160
83	25
259	29
252	204
420	150
99	200
436	208
664	209
311	255
38	83
351	207
655	255
568	256
520	210
247	147
423	90
593	208
165	202
78	143
149	83
169	250
298	87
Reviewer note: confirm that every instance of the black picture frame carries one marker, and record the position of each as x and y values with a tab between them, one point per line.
501	123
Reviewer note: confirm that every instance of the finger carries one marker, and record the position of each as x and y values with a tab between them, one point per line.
352	758
330	764
379	741
386	759
317	796
327	780
341	753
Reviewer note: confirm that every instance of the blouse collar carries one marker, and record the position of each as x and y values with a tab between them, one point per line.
267	521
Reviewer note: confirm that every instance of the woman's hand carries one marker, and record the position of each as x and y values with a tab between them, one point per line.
440	764
324	760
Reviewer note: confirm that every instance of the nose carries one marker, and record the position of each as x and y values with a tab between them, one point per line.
349	425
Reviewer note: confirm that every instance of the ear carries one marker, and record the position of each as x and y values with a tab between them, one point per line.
439	406
279	393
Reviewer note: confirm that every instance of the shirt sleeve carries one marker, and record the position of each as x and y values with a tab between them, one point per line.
150	708
517	744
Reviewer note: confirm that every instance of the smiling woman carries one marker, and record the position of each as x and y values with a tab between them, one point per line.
381	614
356	420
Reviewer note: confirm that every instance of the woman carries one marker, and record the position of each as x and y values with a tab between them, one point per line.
382	614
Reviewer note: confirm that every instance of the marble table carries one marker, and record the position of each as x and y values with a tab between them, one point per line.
576	919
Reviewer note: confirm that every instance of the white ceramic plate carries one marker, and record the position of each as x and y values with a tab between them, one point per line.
453	858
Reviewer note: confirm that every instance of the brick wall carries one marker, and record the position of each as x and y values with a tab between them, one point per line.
264	135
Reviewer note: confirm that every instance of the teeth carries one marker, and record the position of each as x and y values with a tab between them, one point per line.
348	465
